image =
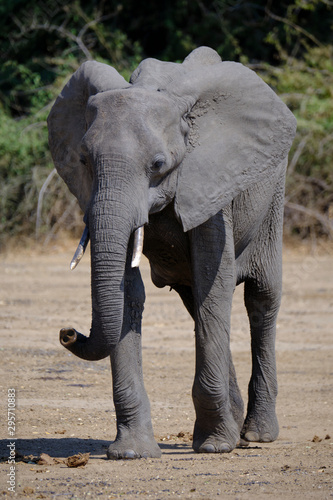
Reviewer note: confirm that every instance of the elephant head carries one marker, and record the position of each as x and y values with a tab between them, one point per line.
194	134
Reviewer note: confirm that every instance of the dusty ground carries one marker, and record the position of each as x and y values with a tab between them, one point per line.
64	404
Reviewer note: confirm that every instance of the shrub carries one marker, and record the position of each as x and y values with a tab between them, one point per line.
306	85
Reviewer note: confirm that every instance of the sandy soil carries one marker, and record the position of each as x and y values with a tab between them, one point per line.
64	405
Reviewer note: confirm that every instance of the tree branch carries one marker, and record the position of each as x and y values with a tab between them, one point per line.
295	26
40	200
54	28
324	221
297	154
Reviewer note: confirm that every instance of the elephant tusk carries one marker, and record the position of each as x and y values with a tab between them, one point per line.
137	247
80	249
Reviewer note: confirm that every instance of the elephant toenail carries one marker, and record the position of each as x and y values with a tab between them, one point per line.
129	454
112	455
207	448
225	448
252	436
266	438
242	443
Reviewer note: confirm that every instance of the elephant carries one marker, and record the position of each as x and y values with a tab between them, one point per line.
194	154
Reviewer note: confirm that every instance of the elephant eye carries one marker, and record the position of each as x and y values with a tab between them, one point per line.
158	163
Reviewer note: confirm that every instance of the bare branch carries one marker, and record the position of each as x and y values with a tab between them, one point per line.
60	221
323	142
40	200
30	91
324	221
33	126
92	23
51	28
314	181
18	23
295	26
297	154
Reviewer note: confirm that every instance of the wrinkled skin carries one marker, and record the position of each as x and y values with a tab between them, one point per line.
195	152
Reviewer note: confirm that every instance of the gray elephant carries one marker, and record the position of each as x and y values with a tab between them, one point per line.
196	153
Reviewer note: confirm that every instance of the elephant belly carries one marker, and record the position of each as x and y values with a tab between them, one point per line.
167	248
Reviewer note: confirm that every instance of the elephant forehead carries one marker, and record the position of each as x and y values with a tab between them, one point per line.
132	103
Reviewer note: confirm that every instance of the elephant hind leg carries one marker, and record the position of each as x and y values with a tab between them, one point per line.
236	401
204	442
262	304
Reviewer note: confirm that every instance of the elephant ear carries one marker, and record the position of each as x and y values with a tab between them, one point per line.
154	74
240	132
67	124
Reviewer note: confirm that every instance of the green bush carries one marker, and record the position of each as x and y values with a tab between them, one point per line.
24	160
43	43
306	85
25	164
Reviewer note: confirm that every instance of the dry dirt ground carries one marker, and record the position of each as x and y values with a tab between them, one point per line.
64	405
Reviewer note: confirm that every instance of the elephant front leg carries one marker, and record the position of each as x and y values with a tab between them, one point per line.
135	438
216	396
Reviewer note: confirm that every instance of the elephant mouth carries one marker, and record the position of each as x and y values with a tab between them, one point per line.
81	248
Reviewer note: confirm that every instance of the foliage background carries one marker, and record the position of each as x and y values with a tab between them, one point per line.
290	44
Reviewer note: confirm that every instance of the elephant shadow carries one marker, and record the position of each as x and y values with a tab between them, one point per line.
54	447
65	447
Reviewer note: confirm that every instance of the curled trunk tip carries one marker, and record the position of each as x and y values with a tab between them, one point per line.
83	346
68	337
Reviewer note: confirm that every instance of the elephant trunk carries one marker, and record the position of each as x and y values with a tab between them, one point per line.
112	220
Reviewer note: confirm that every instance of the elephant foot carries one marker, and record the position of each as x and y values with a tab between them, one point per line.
130	445
263	429
213	446
221	440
